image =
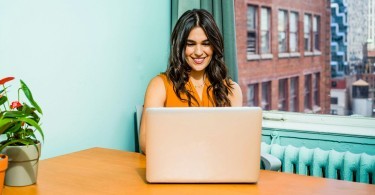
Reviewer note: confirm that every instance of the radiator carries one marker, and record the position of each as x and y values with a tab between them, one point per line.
321	163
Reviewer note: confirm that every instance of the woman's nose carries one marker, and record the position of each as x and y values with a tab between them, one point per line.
198	50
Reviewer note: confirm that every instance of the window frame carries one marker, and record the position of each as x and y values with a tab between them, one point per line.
334	100
316	32
266	95
308	92
255	96
268	31
255	30
292	32
283	29
316	89
293	94
307	32
283	99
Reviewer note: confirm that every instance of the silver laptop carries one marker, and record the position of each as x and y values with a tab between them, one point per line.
203	145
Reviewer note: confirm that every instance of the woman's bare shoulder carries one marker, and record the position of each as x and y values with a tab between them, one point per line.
236	96
156	92
158	79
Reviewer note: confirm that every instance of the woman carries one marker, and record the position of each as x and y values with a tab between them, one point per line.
196	75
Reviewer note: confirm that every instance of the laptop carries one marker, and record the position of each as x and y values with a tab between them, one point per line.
203	145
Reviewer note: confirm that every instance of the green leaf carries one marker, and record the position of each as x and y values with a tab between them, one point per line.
3	99
14	114
5	124
1	91
30	112
29	96
22	141
30	132
35	117
5	121
34	124
15	128
26	108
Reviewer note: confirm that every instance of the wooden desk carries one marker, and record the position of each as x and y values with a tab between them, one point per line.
107	171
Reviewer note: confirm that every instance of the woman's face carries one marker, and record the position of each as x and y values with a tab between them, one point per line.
198	51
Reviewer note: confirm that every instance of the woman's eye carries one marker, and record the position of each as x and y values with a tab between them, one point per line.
190	44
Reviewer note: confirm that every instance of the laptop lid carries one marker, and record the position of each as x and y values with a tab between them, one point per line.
203	145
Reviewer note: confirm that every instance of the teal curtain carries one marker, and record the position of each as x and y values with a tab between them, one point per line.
223	12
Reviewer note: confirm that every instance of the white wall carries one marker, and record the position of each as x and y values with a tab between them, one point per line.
362	106
87	63
341	107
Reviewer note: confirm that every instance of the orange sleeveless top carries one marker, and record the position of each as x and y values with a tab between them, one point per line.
173	101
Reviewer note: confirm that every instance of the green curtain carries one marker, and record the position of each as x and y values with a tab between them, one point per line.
223	12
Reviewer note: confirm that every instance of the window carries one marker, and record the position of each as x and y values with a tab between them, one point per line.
316	89
282	30
293	32
334	100
282	94
265	30
316	28
252	95
306	30
258	44
308	92
334	112
251	29
293	95
266	96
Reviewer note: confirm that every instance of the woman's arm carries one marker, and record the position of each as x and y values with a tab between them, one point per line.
236	96
155	97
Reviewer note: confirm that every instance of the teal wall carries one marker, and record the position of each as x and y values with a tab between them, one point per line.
87	63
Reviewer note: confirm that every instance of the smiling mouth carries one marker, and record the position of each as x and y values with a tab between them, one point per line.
198	60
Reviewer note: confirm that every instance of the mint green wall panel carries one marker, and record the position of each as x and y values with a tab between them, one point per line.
87	63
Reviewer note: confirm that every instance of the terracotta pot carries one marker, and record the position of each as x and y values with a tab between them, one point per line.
3	167
23	165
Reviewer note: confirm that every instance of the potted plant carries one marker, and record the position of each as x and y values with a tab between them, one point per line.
19	124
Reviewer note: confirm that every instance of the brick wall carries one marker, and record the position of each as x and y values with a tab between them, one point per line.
262	70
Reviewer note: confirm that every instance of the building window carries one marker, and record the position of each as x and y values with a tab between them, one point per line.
293	95
251	29
252	95
265	21
316	29
307	92
293	32
266	96
334	100
316	89
282	94
307	30
334	112
282	30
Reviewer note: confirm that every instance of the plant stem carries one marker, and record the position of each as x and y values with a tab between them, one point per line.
18	99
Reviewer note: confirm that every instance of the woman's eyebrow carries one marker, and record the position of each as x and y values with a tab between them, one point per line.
192	41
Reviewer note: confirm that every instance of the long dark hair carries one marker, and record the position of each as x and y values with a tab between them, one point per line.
178	69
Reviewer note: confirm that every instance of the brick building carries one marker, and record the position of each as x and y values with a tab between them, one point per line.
283	53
